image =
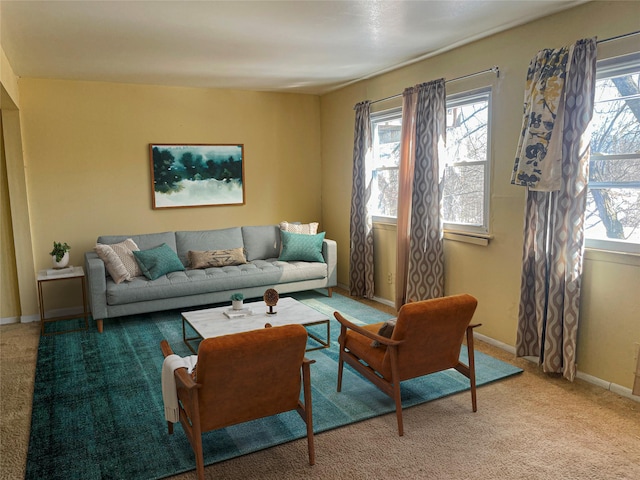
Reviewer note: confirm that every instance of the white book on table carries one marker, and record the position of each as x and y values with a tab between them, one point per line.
52	272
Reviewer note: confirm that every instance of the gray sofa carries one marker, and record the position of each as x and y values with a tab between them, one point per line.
194	287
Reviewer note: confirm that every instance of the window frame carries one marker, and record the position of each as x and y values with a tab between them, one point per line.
607	68
463	98
377	117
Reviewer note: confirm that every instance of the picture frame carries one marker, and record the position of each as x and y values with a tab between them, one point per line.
196	175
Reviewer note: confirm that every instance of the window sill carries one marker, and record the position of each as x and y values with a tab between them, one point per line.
476	239
608	256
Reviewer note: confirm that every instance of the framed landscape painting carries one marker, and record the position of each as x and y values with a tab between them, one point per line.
196	175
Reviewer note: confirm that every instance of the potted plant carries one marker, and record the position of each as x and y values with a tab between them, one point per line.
60	254
236	301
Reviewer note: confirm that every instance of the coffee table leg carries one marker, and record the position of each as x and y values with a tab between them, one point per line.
323	343
190	339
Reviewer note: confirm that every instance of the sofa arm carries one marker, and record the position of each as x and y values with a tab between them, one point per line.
330	254
97	285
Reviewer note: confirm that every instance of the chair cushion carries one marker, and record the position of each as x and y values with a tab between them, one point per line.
298	246
360	346
158	261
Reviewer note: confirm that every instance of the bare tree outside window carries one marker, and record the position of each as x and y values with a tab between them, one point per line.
386	130
613	205
466	163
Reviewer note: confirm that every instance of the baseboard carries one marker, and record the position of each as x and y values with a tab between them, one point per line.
9	320
494	342
21	319
60	312
384	301
613	387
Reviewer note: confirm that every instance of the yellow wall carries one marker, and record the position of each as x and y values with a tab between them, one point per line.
609	321
86	148
10	302
9	298
8	80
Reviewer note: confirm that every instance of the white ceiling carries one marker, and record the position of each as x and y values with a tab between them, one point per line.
292	46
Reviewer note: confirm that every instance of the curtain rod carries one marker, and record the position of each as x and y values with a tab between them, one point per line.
494	69
497	70
624	35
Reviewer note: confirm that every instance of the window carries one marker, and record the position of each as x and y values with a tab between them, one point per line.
464	166
465	196
386	130
612	218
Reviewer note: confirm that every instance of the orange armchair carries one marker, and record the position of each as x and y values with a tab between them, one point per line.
243	377
426	339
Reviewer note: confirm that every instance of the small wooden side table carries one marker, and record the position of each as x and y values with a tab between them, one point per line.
76	273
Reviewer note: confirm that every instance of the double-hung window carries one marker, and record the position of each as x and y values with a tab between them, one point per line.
386	130
464	165
465	193
612	218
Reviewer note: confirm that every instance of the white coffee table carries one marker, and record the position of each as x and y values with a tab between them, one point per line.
212	322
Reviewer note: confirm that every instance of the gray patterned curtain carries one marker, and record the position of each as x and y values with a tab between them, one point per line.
554	217
425	269
361	282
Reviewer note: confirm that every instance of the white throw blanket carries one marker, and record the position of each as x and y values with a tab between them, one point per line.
169	394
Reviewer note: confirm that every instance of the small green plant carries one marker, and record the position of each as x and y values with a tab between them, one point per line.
237	296
59	249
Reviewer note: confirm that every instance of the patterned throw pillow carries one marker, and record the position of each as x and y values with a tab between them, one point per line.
302	228
119	260
301	247
386	330
158	261
216	258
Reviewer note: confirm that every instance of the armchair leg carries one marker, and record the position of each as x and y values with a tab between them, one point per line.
197	449
398	402
395	375
343	335
308	412
99	324
472	368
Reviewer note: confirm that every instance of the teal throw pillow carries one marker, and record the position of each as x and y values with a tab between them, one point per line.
158	261
302	247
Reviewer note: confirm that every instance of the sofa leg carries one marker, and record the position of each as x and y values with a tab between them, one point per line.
330	291
99	324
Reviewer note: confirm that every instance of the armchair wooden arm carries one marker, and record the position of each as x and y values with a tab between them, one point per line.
346	324
183	379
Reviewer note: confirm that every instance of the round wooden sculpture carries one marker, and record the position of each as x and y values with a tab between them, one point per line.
271	298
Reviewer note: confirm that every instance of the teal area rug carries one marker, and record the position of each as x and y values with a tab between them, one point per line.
98	411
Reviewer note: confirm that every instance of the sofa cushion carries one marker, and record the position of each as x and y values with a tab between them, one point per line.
202	240
144	241
158	261
306	228
216	258
119	260
261	242
298	246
